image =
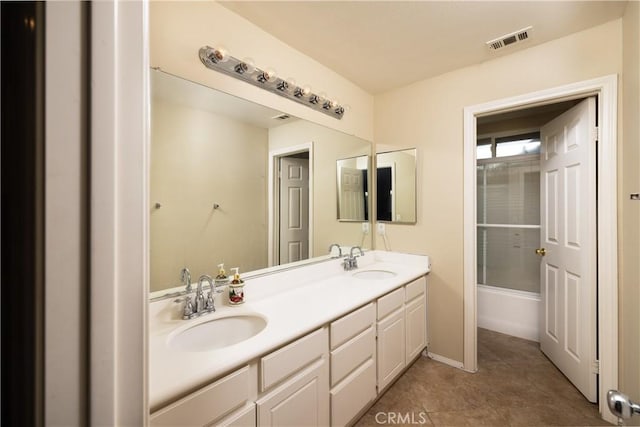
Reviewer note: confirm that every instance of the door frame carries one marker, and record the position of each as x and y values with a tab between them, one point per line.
274	195
606	89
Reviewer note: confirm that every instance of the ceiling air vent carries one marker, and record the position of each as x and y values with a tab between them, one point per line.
509	39
281	117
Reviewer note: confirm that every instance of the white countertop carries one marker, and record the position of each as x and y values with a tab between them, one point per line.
294	302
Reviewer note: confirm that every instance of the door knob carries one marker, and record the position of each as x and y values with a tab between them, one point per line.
620	405
541	251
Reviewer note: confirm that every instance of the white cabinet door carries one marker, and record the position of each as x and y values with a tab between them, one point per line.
301	401
353	394
391	348
416	325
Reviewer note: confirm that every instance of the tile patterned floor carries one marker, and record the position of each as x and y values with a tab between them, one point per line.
515	385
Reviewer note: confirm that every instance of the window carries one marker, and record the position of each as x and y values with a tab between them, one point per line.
485	148
507	146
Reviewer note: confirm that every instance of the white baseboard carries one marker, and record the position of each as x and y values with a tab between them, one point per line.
443	359
508	311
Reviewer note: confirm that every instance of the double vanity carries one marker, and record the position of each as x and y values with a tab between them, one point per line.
313	345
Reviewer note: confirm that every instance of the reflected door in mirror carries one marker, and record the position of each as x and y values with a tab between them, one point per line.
294	209
352	189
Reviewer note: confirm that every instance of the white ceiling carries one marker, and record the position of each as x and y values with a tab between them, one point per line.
382	45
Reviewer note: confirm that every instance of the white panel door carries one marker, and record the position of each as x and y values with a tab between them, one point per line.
294	209
351	194
568	236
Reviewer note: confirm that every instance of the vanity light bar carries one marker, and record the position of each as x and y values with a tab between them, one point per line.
219	60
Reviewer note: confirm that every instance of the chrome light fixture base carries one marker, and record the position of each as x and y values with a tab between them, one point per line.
218	60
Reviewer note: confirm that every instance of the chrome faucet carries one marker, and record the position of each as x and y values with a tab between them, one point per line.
351	262
200	305
209	305
185	278
200	301
331	246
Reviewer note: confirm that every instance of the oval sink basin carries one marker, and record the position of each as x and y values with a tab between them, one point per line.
217	333
374	274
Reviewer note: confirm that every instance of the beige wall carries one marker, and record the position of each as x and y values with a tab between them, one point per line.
429	114
629	215
197	159
328	147
179	28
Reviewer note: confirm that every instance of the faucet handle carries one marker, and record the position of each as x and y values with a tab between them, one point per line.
210	304
187	313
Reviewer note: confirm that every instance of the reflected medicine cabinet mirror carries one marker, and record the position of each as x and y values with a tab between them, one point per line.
396	186
353	194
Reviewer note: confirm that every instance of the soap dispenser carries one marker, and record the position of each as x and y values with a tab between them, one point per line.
236	289
221	279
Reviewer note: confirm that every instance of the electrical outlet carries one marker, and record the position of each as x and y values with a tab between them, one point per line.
365	227
381	228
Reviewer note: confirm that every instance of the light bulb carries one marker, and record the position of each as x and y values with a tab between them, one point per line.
220	54
266	76
251	65
301	91
270	74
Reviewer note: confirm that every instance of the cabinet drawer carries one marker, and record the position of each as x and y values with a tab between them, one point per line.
390	302
353	395
241	418
347	327
284	362
352	354
207	404
415	288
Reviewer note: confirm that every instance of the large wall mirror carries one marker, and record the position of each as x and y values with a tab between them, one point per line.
237	183
396	186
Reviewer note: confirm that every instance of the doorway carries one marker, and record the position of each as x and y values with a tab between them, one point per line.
605	89
536	232
290	204
385	185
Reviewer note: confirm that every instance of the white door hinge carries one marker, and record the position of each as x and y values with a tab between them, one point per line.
596	367
596	133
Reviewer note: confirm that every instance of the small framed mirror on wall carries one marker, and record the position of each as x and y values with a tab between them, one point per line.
396	186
